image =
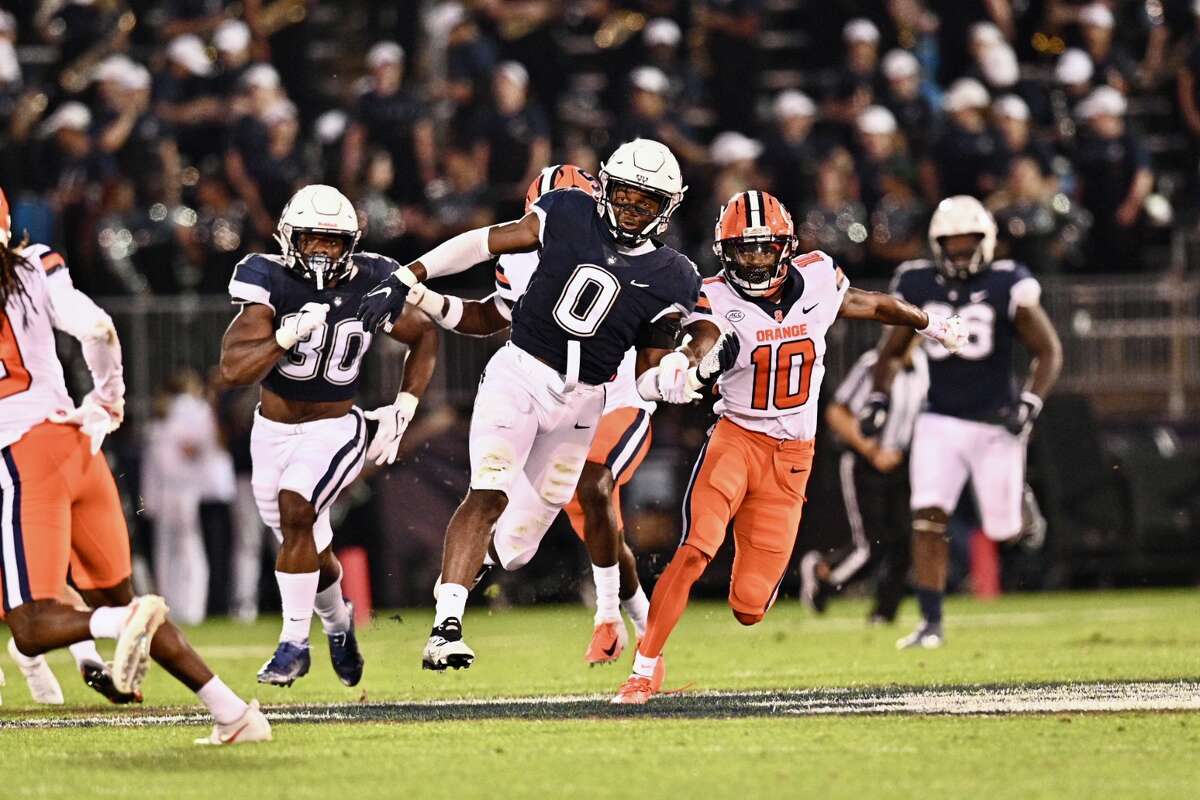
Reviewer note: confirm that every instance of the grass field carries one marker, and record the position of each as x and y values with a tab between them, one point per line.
388	739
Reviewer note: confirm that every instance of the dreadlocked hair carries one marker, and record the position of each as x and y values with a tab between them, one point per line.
11	284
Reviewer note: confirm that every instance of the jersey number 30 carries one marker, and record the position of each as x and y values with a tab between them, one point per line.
771	361
349	344
586	299
14	377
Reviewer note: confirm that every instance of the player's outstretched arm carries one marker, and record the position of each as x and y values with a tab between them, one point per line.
873	415
457	254
950	332
252	345
467	317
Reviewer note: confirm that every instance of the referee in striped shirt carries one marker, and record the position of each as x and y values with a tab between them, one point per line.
873	474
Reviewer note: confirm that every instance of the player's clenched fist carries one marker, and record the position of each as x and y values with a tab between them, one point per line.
298	326
949	332
384	303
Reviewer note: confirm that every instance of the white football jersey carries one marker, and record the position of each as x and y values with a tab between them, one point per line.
31	377
513	272
774	386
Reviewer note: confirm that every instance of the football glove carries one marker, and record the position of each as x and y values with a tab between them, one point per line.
393	422
668	381
382	305
298	326
873	415
1020	416
720	358
93	419
949	332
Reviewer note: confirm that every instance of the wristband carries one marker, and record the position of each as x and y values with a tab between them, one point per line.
407	403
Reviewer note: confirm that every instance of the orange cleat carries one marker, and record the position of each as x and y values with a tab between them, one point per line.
637	690
608	642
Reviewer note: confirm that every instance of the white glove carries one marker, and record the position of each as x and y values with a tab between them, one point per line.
671	380
949	332
298	326
92	418
393	422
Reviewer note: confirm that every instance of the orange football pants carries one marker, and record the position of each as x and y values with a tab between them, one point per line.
59	511
621	443
758	482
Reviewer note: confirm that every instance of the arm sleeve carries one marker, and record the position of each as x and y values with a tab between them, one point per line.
251	282
75	313
1025	291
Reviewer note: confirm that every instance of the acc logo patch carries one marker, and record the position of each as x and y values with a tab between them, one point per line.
735	315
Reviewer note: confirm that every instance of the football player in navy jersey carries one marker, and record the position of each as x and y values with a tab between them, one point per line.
602	286
976	421
297	335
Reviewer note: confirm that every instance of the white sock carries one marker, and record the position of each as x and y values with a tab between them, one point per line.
451	602
297	593
85	651
608	588
644	666
106	621
638	609
332	609
221	702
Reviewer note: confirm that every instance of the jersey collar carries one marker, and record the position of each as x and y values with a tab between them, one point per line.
793	290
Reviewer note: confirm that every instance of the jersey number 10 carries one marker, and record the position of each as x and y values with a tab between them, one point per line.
14	377
769	360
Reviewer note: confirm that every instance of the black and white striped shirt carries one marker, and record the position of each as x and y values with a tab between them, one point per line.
907	397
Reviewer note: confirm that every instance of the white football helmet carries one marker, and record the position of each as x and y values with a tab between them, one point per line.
646	165
317	209
957	215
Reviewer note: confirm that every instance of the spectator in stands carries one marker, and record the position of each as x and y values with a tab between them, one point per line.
960	159
198	17
902	96
888	186
278	171
1187	84
10	67
248	140
857	81
470	59
662	39
233	41
836	221
1011	117
512	139
791	155
142	144
185	98
730	29
650	116
1114	181
463	204
1027	223
213	243
1073	82
391	117
1112	64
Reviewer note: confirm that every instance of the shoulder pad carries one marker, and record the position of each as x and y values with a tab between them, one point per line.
1003	265
376	262
251	280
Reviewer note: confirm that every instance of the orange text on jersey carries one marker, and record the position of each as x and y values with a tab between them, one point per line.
785	332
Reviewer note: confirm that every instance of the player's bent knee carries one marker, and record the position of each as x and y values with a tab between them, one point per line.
496	466
747	619
558	482
296	516
26	622
595	486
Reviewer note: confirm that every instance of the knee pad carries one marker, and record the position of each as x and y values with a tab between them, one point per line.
495	466
561	475
750	596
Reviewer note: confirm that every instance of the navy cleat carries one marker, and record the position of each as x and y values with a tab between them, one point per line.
291	661
344	653
99	678
927	635
446	648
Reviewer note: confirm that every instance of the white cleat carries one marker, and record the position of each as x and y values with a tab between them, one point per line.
252	726
43	686
926	636
446	648
131	660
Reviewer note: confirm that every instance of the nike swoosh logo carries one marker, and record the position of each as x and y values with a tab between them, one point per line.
795	470
295	619
810	308
609	651
579	427
640	285
384	290
231	738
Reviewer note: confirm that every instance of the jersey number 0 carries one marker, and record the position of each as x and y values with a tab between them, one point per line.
586	299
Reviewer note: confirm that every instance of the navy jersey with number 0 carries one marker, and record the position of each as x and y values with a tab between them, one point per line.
325	366
978	381
585	289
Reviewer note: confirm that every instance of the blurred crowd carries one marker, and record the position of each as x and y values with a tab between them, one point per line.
156	142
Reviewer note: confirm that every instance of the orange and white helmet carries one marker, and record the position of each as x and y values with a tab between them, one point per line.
5	221
561	176
754	241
